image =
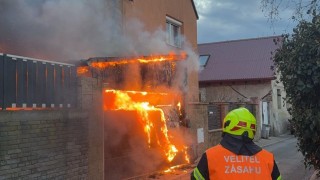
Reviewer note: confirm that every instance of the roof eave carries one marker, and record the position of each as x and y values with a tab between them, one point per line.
195	9
238	80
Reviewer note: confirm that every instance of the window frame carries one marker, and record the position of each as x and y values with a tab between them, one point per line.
171	38
205	64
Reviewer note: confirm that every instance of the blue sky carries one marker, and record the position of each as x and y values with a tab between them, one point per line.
223	20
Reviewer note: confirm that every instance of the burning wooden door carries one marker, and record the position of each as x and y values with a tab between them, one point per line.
137	89
126	152
136	135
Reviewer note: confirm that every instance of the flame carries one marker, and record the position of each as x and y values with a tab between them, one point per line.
127	100
174	168
82	70
179	108
145	59
186	155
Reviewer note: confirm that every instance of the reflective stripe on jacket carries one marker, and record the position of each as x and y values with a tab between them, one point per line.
223	164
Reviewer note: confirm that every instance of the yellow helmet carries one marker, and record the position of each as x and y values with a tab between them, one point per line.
240	122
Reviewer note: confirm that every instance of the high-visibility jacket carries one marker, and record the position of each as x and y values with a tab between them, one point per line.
224	164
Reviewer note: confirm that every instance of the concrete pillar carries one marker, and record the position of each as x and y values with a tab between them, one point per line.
198	116
90	99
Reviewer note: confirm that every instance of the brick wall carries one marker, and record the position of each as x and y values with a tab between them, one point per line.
90	99
198	115
43	144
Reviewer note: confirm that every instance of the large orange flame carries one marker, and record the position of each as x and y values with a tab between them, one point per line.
126	100
102	63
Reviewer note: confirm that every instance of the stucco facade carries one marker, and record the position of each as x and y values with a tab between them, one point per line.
234	93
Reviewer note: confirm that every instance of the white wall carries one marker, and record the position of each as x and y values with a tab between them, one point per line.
280	116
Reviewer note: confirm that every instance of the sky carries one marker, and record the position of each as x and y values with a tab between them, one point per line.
224	20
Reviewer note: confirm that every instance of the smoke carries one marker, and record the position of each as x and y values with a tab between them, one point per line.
59	29
62	30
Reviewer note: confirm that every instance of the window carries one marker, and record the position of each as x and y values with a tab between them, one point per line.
203	59
279	98
173	32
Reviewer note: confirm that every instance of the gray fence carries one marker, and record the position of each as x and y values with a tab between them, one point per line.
216	115
34	83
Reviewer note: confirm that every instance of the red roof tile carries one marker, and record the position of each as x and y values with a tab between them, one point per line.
245	59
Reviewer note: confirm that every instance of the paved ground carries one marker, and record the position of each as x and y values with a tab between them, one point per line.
290	161
272	140
183	173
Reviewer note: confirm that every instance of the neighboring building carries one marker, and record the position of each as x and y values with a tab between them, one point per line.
242	71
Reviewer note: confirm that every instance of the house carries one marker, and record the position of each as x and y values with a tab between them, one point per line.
241	71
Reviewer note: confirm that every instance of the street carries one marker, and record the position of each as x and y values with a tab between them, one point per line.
289	160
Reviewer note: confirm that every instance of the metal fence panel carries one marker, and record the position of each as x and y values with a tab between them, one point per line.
27	82
1	81
58	85
250	107
214	117
41	84
31	68
50	85
233	106
21	82
10	89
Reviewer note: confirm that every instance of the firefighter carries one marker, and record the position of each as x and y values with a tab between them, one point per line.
237	156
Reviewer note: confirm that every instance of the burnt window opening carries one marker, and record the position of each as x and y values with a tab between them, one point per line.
157	74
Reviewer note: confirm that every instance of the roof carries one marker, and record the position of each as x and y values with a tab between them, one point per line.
246	59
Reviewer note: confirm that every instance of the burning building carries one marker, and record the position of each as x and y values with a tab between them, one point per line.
144	117
128	92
